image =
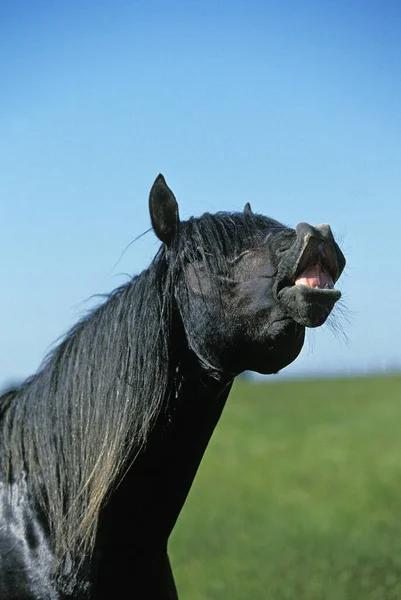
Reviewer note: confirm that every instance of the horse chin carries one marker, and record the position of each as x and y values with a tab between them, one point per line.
308	306
277	347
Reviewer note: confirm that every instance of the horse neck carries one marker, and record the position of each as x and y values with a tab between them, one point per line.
155	488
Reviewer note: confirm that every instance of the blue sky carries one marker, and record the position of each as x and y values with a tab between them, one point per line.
293	106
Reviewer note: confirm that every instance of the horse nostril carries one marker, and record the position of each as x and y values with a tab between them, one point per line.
302	229
320	232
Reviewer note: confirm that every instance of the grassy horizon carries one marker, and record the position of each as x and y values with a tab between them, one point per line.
298	496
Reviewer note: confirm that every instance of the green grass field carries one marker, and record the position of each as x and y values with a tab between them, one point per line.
298	496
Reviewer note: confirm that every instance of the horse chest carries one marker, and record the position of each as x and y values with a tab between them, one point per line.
26	558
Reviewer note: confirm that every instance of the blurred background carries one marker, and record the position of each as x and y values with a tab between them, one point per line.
292	106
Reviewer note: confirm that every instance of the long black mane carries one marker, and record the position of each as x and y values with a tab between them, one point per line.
79	423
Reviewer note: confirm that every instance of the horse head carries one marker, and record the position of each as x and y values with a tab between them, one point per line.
248	286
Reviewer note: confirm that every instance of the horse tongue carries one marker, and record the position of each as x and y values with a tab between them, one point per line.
315	277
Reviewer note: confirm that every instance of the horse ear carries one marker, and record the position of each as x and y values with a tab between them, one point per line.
247	209
163	210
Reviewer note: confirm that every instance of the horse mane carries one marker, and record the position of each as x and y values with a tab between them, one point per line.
77	425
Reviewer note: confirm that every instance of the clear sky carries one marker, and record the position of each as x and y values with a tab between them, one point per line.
293	106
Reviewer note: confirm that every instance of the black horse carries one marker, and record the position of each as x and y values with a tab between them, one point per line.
99	449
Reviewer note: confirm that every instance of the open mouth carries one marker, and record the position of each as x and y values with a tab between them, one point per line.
316	266
315	276
309	295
